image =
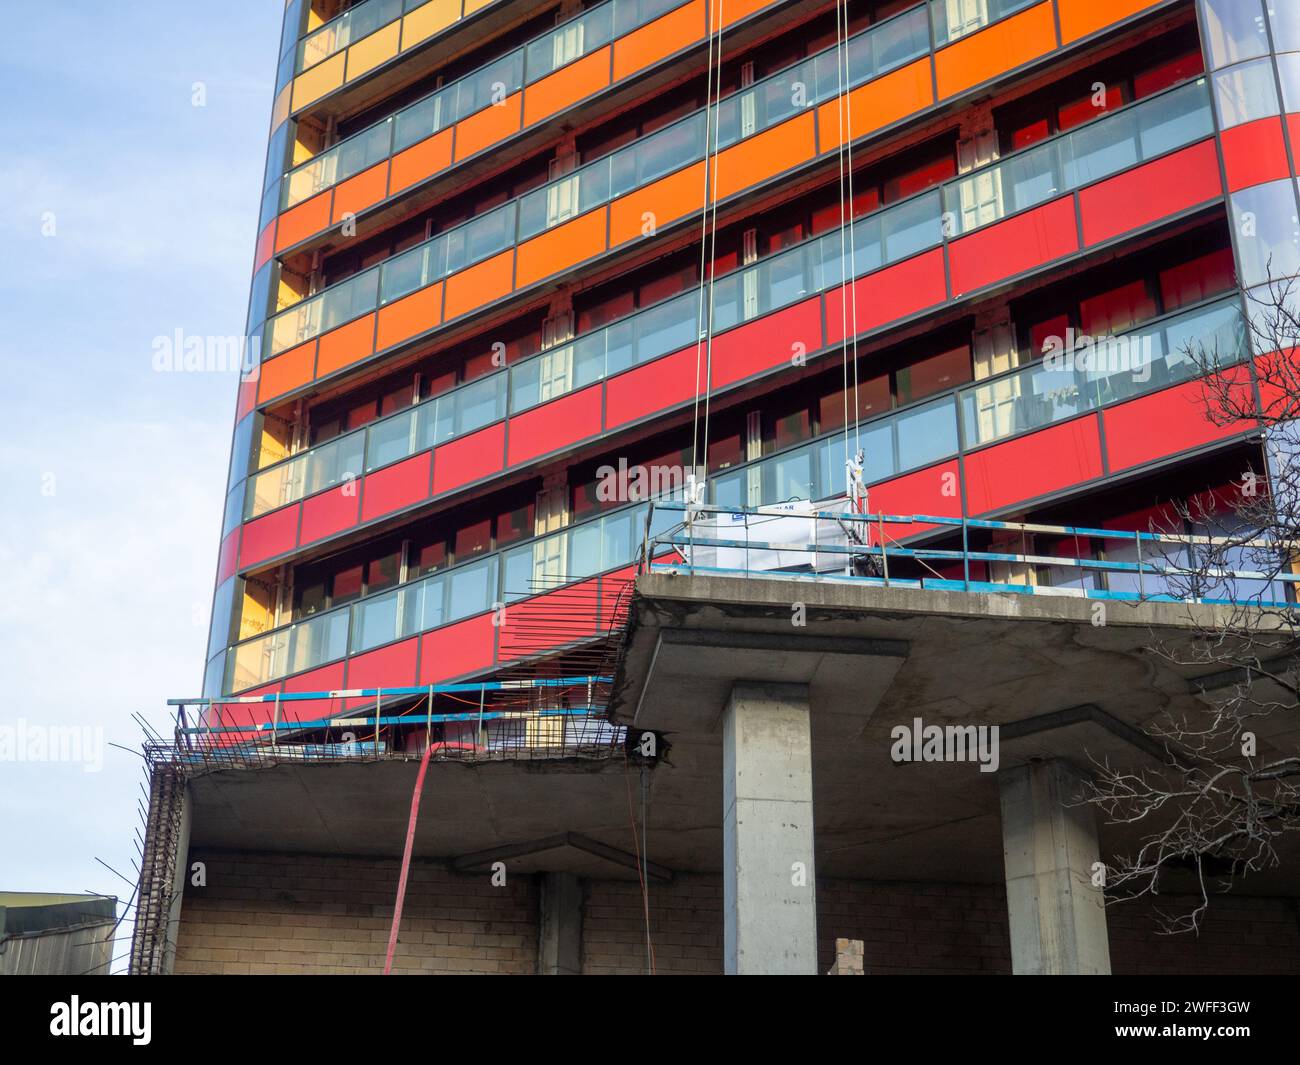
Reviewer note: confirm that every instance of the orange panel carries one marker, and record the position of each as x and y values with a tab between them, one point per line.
299	223
661	38
665	201
877	104
995	50
479	285
771	152
476	5
562	247
410	316
286	372
345	345
1082	17
364	190
566	86
420	161
732	11
494	123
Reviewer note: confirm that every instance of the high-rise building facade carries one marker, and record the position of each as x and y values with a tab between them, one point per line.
505	249
523	272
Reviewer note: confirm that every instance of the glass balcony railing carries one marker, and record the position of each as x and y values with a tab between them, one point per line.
874	241
880	48
1103	147
1149	358
395	437
468	95
954	19
462	591
357	22
1102	371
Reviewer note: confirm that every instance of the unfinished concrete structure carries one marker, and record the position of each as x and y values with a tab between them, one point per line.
772	817
523	269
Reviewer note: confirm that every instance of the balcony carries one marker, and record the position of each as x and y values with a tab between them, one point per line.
601	207
628	353
973	419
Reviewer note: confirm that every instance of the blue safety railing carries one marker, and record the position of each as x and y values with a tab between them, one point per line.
799	542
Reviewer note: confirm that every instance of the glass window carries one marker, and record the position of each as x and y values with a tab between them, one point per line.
430	557
1233	30
1285	19
1288	68
935	374
347	584
473	539
1268	232
1205	276
1245	92
222	613
516	524
383	572
1116	310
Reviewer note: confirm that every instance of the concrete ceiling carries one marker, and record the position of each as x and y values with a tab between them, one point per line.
1059	684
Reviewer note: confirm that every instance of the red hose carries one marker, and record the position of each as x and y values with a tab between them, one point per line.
406	858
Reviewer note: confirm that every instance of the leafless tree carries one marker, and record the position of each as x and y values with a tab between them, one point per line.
1225	797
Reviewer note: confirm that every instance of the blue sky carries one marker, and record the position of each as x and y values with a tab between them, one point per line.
126	213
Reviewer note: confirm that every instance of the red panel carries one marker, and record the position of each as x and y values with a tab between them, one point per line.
767	343
395	487
457	650
386	667
270	535
554	425
326	679
1151	192
1293	133
934	490
887	295
654	387
1162	424
330	512
562	613
247	398
470	458
612	585
1034	465
1012	247
265	246
1254	153
227	555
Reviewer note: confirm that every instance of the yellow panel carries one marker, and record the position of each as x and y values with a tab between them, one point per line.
476	5
318	81
369	52
424	22
280	111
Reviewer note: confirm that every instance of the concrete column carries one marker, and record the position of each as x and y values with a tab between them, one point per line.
769	882
1058	918
559	938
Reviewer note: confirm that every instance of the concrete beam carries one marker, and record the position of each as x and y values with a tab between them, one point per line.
769	880
559	934
1049	842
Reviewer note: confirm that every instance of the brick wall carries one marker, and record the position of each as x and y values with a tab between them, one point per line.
685	926
270	913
